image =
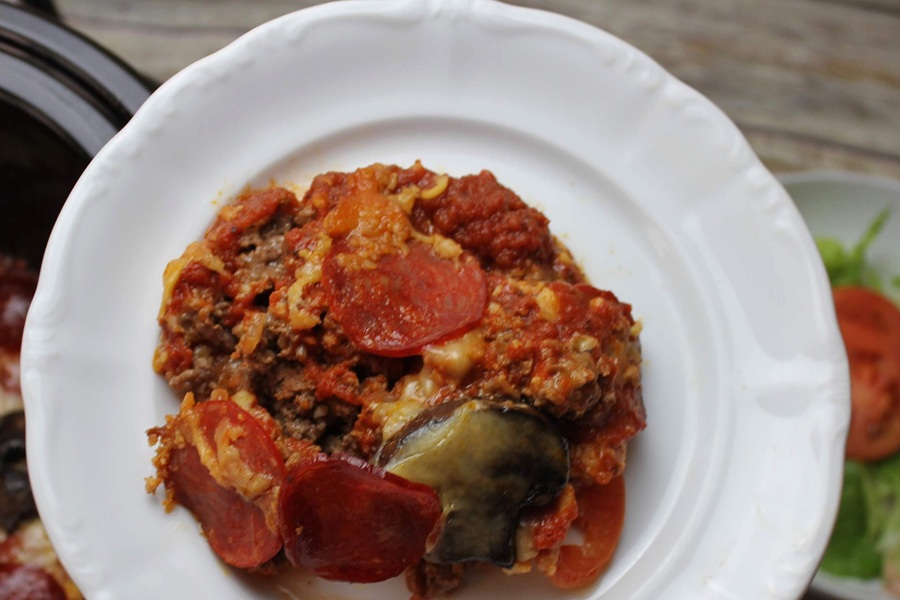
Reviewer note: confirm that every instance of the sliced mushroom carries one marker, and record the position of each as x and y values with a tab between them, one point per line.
16	501
486	461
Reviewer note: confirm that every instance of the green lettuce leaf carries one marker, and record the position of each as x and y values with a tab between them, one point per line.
886	479
849	267
852	550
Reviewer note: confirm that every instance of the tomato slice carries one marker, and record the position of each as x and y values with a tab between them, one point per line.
406	301
26	582
601	516
344	519
228	475
870	326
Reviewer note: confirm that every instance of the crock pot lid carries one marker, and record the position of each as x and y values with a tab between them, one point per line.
55	47
50	99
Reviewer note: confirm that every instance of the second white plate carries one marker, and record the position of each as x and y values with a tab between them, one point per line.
842	205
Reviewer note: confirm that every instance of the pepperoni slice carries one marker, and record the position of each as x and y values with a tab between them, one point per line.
601	516
406	301
233	493
26	582
235	529
224	422
344	519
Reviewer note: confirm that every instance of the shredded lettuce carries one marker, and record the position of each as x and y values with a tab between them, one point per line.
866	534
865	543
887	497
852	551
849	267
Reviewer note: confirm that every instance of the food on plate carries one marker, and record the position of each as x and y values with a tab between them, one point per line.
399	372
29	567
865	543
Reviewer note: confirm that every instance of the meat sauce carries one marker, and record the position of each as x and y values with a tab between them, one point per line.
317	340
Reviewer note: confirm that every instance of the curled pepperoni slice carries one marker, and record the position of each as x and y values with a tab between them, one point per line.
25	582
406	301
344	519
229	477
601	516
229	431
235	529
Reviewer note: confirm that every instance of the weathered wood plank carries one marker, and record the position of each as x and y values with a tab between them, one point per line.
813	77
811	83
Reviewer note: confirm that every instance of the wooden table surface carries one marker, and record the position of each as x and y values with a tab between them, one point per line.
813	84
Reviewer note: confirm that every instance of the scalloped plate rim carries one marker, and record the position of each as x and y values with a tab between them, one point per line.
647	81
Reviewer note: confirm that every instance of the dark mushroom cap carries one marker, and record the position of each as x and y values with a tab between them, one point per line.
487	461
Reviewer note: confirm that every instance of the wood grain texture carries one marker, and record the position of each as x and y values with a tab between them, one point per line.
813	84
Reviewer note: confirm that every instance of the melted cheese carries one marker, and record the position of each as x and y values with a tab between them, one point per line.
406	198
445	247
231	468
196	252
252	328
440	185
222	458
309	273
414	395
395	415
243	398
454	358
584	343
445	364
372	225
548	302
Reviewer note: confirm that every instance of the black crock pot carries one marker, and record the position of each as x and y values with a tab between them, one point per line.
62	97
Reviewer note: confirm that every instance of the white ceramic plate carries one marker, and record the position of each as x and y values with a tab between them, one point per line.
732	487
843	205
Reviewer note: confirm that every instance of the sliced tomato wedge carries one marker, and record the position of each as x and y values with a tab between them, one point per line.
601	516
228	475
26	582
406	301
346	520
870	326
